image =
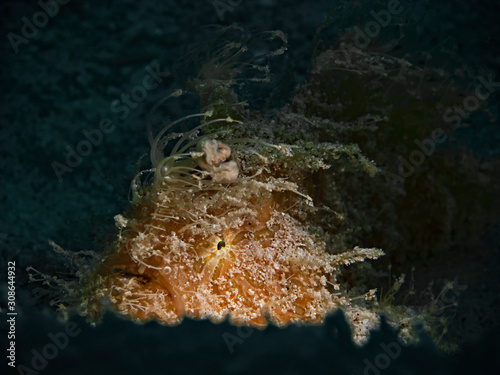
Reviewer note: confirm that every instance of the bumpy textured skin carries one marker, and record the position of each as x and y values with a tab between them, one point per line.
240	251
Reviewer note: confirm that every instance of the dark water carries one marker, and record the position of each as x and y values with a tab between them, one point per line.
69	68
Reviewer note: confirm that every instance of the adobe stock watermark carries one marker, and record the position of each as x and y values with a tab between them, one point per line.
426	147
50	9
388	353
122	107
223	6
57	342
447	297
391	351
372	28
242	333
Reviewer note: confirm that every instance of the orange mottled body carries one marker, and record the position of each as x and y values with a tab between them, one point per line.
170	261
223	232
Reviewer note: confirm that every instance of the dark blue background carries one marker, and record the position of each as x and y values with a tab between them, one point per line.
64	80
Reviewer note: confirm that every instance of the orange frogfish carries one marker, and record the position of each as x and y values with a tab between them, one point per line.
222	233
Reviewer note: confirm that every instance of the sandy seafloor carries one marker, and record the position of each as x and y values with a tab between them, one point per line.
65	78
